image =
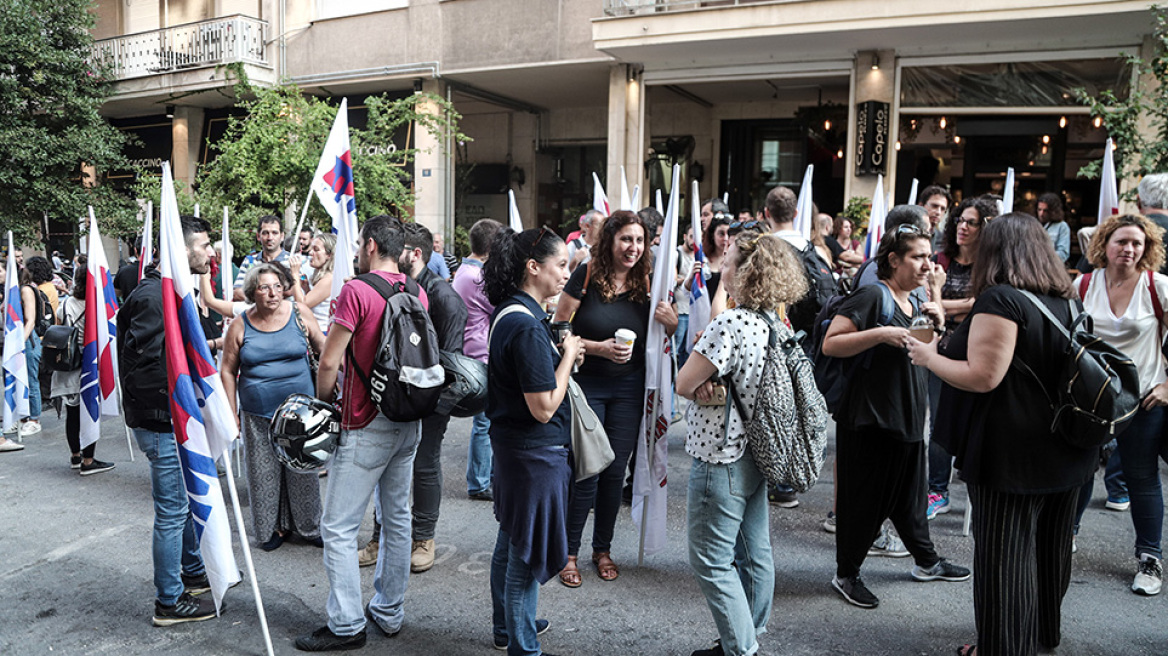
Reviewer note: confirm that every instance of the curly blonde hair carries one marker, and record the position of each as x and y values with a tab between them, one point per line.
1153	258
767	272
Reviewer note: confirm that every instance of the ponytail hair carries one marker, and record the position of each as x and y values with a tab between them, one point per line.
505	270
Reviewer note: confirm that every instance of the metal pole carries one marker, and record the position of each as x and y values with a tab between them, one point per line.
247	552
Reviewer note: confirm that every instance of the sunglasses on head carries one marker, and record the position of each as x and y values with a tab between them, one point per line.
542	231
739	226
908	229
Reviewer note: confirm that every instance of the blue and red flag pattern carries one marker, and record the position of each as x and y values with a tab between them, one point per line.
15	365
99	342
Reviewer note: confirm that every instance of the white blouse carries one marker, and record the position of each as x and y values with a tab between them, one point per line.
1135	331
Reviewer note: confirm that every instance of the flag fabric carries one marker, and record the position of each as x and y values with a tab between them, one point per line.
15	366
599	199
1108	187
146	254
99	358
912	192
876	220
226	280
649	471
699	301
804	207
333	184
636	197
515	222
1008	193
626	201
659	204
203	425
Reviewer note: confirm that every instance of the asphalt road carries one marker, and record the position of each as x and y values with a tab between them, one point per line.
75	578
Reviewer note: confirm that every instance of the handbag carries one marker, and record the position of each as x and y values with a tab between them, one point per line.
591	451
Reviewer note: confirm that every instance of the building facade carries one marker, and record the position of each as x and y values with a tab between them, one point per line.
743	93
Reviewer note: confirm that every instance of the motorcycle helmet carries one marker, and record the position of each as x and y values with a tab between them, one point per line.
305	431
465	392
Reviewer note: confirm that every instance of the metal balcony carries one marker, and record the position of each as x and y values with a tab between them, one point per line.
619	8
206	43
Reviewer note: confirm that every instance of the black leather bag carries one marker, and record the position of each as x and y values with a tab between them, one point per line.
61	348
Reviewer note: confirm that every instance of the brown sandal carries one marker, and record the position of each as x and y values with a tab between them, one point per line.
570	576
605	567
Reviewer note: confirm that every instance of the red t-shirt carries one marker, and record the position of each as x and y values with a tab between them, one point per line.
361	309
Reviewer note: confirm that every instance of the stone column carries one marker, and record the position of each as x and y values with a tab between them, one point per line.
186	132
880	85
432	166
626	129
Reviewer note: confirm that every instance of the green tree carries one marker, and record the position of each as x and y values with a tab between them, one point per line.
1137	123
265	161
50	95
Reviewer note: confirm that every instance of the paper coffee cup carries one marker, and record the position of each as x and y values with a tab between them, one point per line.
625	336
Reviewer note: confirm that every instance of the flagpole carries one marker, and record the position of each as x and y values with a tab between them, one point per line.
255	586
303	212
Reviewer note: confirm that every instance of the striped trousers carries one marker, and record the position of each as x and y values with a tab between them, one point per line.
1021	568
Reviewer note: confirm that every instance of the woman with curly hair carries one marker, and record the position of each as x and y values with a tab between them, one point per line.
607	294
729	525
1122	295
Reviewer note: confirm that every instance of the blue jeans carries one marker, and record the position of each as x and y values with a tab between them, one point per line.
478	457
618	403
940	462
1141	447
32	358
730	549
175	548
514	596
381	456
1113	481
680	338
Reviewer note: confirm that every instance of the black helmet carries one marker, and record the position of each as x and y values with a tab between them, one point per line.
305	432
465	391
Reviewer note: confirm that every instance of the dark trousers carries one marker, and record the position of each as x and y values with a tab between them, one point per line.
879	477
73	432
1021	568
428	477
618	403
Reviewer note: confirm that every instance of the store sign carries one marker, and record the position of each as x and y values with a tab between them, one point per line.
872	119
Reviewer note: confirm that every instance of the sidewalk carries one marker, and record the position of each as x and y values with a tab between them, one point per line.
76	578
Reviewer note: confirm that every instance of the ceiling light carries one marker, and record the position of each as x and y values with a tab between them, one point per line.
1062	121
170	111
943	123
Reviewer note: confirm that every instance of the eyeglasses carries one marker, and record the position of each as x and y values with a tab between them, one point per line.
274	287
973	223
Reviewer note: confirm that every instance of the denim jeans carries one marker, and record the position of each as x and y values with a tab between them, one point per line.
679	340
514	596
1113	481
478	457
1141	447
175	548
381	456
428	476
32	358
618	403
730	549
940	462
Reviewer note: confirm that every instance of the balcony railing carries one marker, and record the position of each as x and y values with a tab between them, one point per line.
638	7
206	43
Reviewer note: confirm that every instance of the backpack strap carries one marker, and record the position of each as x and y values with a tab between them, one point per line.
1085	282
587	277
1156	306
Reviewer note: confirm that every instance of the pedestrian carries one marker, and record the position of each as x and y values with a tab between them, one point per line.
314	292
179	574
35	307
448	313
880	451
266	359
726	506
530	429
270	235
1023	478
374	453
608	295
1049	210
1127	252
66	385
435	260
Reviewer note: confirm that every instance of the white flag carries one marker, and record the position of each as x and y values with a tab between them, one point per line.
804	206
333	184
15	365
99	357
876	220
515	222
599	199
1008	193
1108	188
912	192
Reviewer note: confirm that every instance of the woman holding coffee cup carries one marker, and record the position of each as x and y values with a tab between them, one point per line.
607	302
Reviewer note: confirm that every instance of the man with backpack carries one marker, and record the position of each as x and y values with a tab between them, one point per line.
374	453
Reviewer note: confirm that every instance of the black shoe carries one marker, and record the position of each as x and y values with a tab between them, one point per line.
317	541
782	498
485	495
186	609
96	467
273	542
323	639
716	650
75	462
197	584
541	627
854	590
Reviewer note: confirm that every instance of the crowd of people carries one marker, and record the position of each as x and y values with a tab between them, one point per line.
948	333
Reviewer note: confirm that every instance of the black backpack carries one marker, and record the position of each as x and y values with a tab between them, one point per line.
822	287
1097	392
407	377
44	312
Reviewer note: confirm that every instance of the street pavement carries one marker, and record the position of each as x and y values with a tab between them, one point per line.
76	578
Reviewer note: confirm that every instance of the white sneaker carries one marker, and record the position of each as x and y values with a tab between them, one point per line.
30	427
888	545
1149	576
